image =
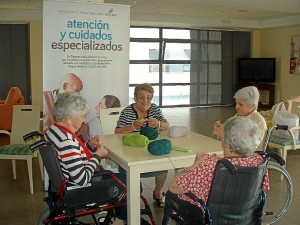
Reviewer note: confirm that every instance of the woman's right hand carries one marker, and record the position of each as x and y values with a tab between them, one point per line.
218	129
138	123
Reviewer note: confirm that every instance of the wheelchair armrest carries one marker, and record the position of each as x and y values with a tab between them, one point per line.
102	172
277	157
207	217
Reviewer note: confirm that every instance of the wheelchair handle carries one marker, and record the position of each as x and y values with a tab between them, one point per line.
281	127
39	143
229	166
277	157
269	131
32	134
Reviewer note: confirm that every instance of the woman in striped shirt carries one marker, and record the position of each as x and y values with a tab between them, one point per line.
78	160
144	113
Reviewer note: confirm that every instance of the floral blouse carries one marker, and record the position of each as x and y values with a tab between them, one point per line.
198	180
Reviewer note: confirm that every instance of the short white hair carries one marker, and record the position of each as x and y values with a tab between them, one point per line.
249	94
242	135
69	104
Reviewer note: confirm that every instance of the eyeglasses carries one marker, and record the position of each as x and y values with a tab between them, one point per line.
144	98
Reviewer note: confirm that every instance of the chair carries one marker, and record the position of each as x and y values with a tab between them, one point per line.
235	197
109	118
285	144
26	118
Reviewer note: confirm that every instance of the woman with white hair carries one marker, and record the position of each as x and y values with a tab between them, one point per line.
241	138
246	100
78	160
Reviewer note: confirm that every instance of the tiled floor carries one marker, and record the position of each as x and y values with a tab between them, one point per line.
19	207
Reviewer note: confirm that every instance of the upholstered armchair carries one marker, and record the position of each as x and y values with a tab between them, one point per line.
14	97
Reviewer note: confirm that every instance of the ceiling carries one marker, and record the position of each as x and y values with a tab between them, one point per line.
188	13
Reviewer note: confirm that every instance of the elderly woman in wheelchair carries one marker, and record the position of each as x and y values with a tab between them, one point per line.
78	160
241	138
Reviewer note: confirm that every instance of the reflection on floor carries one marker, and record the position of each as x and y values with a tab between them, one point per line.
19	207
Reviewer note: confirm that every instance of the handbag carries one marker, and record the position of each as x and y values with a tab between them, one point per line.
283	117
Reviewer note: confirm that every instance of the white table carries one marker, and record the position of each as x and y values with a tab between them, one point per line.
137	160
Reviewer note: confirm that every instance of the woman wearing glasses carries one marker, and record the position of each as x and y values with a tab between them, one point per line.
145	113
141	113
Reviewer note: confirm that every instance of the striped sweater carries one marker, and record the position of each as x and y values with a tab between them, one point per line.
74	163
129	115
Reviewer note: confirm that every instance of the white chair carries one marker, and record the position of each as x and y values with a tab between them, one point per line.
109	118
284	144
26	118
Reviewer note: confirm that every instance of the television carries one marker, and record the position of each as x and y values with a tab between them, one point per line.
256	70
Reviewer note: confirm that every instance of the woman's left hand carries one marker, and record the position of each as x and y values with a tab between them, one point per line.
153	122
96	141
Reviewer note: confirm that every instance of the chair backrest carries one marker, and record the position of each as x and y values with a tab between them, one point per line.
52	165
26	118
109	118
14	96
235	195
295	106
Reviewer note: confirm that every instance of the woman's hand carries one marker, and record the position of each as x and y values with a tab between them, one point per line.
153	122
218	129
199	159
138	123
96	141
101	151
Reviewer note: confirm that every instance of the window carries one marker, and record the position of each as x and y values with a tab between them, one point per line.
153	54
184	66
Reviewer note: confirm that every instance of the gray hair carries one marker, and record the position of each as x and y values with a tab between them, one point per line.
242	135
69	104
143	87
249	94
111	101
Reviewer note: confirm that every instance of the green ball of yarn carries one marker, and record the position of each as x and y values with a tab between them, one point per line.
135	140
149	132
160	147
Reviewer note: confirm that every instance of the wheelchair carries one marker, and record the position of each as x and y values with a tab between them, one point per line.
235	197
99	200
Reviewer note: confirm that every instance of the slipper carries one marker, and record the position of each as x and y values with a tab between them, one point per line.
160	202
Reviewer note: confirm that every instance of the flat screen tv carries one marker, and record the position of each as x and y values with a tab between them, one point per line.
256	70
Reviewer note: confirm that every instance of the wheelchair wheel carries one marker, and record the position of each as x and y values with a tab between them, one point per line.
105	217
279	196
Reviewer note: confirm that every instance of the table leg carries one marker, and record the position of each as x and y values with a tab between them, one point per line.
133	195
